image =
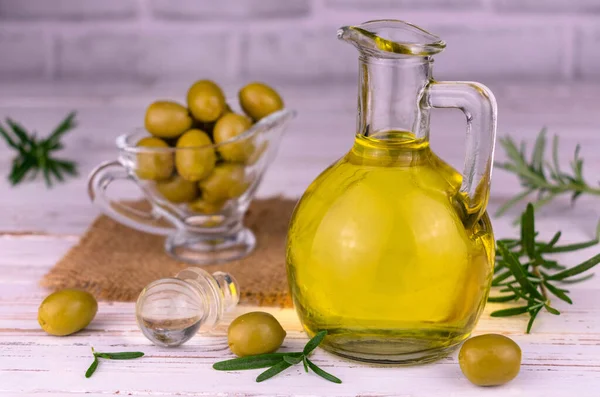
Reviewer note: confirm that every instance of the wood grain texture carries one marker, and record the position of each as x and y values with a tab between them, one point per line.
560	358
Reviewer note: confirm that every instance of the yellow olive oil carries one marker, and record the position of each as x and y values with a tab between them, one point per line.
379	254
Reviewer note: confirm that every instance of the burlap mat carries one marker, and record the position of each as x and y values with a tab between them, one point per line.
114	262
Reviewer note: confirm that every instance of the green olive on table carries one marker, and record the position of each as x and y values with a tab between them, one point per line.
67	311
255	333
154	165
167	119
490	360
206	101
195	157
177	190
258	100
228	127
227	181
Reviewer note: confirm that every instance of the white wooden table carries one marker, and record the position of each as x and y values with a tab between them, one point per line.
37	226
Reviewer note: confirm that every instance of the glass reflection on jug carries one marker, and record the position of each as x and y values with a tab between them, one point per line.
390	249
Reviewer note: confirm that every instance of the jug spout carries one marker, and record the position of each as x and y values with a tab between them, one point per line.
394	70
390	38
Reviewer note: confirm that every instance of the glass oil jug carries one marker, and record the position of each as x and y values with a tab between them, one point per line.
390	249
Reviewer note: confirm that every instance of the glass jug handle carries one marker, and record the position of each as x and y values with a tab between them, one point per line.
479	106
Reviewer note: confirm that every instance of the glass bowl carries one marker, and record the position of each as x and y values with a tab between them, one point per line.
203	220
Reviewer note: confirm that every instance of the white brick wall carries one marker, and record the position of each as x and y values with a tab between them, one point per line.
291	40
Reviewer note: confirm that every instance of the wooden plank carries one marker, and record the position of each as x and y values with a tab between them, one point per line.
33	362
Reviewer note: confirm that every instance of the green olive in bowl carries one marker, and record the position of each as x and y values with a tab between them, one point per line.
167	119
195	157
206	101
255	333
227	181
202	206
67	311
177	190
154	165
259	100
490	360
229	127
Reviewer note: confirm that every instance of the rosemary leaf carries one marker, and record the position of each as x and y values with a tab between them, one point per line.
314	342
574	271
120	356
518	272
37	155
274	370
323	374
253	362
500	299
526	275
533	315
293	359
559	293
552	310
90	371
543	177
513	311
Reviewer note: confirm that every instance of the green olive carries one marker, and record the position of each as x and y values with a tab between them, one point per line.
204	207
259	100
155	165
195	157
167	119
255	333
206	101
228	127
67	311
490	360
227	181
257	153
177	190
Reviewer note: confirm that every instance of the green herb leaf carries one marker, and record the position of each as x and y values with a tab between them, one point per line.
532	280
322	373
577	279
528	231
533	316
500	278
293	359
499	299
552	310
570	247
274	370
253	362
278	362
120	356
518	272
90	371
36	155
314	342
513	201
574	271
513	311
541	176
559	293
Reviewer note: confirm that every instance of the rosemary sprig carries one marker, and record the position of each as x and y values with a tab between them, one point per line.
279	362
36	155
541	175
110	356
523	274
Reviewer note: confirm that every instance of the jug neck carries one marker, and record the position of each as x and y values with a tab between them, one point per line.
390	92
